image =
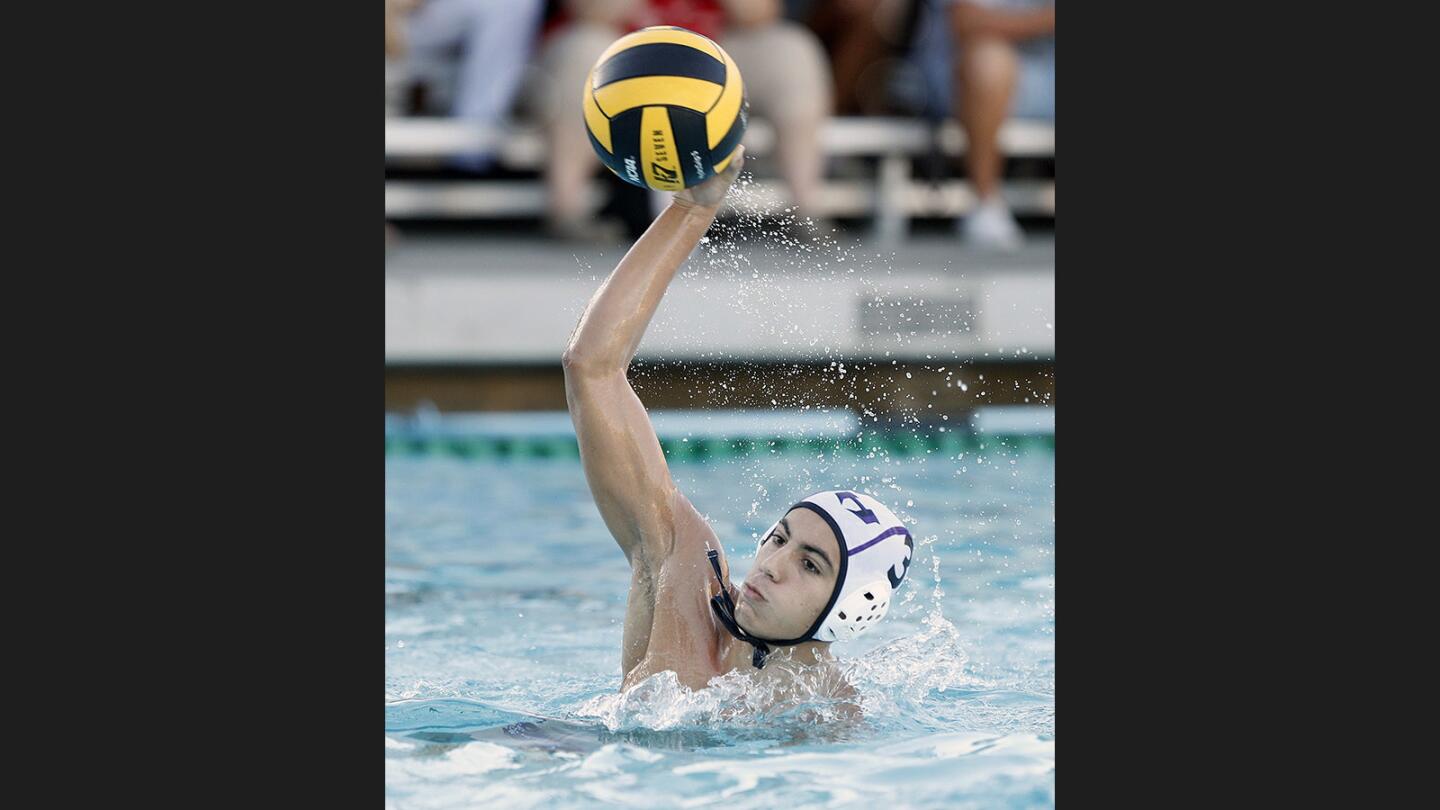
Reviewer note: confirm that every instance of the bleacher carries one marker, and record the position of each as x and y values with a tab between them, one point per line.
889	196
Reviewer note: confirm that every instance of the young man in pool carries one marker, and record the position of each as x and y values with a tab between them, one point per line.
823	573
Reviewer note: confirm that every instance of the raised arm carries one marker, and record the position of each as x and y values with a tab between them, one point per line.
621	455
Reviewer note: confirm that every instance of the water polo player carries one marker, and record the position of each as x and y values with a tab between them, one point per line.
824	572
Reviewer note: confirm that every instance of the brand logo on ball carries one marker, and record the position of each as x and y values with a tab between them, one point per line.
699	165
660	155
632	170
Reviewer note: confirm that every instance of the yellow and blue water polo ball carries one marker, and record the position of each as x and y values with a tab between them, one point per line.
665	108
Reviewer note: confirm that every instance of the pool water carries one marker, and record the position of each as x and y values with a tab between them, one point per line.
504	599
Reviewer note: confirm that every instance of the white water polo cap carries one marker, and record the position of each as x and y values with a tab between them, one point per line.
876	552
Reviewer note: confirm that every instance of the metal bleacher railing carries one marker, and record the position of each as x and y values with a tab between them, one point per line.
889	199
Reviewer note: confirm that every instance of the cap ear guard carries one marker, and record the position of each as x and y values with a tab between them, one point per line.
858	612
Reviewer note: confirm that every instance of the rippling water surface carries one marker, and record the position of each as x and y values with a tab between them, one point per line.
504	600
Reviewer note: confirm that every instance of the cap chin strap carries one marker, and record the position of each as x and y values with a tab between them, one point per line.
724	608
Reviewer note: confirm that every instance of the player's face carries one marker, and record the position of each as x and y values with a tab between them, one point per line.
792	579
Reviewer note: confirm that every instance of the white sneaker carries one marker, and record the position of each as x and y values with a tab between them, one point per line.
991	226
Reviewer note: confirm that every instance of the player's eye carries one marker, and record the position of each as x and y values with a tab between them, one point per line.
813	568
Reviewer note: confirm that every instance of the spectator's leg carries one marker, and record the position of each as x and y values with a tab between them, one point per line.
985	71
497	46
394	29
435	32
787	79
860	37
570	160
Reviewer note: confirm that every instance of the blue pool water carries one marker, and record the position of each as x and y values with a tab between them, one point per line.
504	601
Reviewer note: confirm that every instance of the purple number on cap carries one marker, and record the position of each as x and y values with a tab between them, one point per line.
904	566
860	512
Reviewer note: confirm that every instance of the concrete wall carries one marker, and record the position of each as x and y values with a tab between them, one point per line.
519	317
479	323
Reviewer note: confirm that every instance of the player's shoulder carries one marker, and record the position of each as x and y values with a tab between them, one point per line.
842	689
827	678
837	687
685	568
693	533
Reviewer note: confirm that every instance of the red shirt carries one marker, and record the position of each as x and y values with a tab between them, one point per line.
704	17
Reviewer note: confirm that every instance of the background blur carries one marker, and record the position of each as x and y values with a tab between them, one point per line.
900	218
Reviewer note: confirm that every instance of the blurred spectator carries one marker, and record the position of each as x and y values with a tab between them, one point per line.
493	40
786	77
989	60
395	11
865	40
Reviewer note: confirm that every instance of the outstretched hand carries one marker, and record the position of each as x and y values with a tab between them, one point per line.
711	193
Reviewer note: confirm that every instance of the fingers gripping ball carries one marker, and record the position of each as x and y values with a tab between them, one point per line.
665	108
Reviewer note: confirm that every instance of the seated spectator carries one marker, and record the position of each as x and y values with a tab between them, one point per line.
395	11
394	52
865	40
786	78
987	61
493	40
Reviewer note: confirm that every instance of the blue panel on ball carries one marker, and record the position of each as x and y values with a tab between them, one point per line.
660	59
688	127
731	140
625	137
